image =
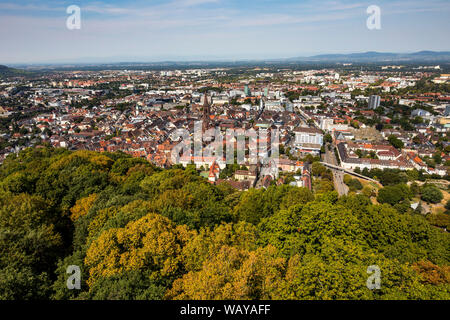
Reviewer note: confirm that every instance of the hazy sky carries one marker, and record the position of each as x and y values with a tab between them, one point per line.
155	30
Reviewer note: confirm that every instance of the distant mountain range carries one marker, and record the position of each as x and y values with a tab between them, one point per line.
11	72
372	56
364	57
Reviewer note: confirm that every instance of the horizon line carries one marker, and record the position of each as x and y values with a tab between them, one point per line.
204	60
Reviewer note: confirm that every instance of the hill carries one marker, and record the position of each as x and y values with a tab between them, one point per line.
372	56
11	72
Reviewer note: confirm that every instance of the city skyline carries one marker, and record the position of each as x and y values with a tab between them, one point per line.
125	31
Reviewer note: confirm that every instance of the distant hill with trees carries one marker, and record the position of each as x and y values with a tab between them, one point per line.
11	72
373	56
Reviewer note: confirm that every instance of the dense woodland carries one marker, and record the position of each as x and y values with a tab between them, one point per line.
139	232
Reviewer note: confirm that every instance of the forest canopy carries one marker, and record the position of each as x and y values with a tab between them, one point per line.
140	232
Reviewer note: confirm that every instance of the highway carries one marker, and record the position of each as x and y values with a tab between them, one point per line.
338	176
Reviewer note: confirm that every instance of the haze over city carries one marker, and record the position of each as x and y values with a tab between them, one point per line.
113	31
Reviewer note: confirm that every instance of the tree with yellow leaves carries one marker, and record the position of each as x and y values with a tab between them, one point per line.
152	243
232	274
207	243
82	207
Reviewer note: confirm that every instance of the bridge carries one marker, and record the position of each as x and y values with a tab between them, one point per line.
352	173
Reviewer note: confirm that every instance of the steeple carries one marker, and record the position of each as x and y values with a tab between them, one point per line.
206	113
205	102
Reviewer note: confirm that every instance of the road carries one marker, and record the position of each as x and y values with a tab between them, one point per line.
338	176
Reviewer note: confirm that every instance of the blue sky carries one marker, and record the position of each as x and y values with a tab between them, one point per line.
35	31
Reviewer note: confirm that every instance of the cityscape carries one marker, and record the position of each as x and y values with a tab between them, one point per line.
366	120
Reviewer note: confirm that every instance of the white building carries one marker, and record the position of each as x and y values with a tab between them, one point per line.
308	140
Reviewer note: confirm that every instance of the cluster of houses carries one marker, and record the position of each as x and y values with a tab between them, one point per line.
140	113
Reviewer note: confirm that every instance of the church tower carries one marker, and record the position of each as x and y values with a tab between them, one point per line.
206	113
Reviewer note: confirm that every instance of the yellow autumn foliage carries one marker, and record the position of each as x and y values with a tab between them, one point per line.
152	243
102	161
100	219
207	243
82	207
83	155
232	274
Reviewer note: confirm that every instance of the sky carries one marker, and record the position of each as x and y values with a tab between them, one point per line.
35	31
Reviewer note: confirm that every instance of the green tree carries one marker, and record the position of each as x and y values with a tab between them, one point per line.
395	142
393	194
430	193
29	246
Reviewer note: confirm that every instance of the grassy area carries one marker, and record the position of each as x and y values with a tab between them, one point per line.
439	207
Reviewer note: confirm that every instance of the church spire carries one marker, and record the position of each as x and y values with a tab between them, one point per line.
205	103
206	113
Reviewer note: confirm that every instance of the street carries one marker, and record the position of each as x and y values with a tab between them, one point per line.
338	176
